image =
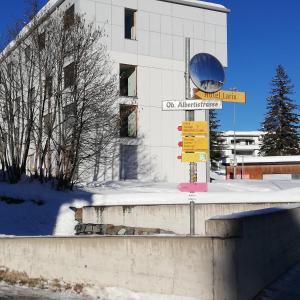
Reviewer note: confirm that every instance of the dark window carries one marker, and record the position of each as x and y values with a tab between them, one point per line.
69	17
27	53
69	118
69	75
130	24
48	123
31	93
128	120
128	162
48	86
42	40
9	69
246	153
128	80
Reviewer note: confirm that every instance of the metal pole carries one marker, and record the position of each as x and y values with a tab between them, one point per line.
208	152
234	146
242	167
190	116
192	218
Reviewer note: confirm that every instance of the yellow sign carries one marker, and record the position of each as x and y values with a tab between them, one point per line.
194	144
194	127
226	96
194	157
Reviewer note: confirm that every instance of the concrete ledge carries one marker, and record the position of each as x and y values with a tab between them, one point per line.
224	228
170	217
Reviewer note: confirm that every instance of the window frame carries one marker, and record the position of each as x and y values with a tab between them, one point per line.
132	35
121	94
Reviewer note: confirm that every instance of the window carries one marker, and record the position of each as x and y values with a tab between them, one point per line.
128	120
69	118
130	24
31	93
27	53
48	86
69	17
69	75
9	69
42	40
128	86
48	119
128	162
245	153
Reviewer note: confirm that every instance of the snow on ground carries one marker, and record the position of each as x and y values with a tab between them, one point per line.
10	292
54	216
113	293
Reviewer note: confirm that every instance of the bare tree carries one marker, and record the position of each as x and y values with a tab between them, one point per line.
57	100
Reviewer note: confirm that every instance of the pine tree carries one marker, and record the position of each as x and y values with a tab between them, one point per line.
281	120
216	148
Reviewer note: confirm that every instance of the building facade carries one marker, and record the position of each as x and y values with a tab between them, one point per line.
245	143
265	167
146	42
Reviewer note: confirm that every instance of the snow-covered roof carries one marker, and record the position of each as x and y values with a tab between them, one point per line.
202	4
242	133
266	159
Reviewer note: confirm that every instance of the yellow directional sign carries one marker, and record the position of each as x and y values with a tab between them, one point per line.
226	96
194	128
194	144
194	157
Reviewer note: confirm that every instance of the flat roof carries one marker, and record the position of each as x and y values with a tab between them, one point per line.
265	159
242	133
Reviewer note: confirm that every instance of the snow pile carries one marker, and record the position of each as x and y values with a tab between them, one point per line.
113	293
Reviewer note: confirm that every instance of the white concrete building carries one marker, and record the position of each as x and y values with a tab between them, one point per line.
146	41
247	143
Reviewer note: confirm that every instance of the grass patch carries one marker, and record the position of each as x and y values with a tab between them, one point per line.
21	278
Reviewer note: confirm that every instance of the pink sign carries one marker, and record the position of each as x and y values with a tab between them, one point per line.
193	187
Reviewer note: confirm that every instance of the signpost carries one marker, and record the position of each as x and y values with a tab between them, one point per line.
194	144
195	104
194	157
194	128
225	96
207	73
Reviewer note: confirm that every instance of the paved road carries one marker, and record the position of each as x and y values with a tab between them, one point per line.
20	293
286	287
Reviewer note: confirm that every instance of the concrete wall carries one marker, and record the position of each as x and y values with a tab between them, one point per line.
240	255
179	266
173	217
267	244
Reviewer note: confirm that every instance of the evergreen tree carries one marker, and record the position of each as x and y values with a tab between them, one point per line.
281	120
216	147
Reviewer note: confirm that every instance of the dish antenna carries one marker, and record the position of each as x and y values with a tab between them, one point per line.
207	73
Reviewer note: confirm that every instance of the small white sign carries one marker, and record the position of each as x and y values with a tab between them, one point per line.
191	104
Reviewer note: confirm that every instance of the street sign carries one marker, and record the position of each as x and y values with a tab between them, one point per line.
194	128
193	187
226	96
191	104
194	144
194	157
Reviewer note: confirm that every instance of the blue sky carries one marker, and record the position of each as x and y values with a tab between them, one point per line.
261	35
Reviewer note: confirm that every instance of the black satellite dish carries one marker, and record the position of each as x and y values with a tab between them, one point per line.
207	73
